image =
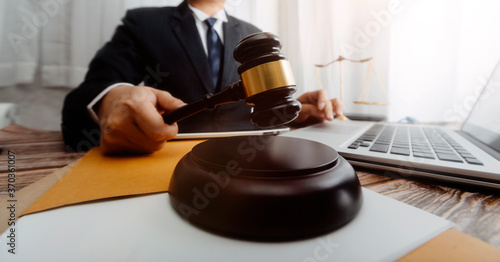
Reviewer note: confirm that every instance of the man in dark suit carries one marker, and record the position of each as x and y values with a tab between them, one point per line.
167	50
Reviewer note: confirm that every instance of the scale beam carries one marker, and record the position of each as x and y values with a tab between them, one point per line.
365	91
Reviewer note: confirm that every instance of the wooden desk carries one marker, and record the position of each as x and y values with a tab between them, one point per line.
39	153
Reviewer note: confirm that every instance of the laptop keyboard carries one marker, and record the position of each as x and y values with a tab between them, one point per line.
427	142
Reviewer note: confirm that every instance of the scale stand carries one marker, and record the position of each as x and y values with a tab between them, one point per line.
365	91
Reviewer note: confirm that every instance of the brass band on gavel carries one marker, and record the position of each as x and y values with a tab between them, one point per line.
267	76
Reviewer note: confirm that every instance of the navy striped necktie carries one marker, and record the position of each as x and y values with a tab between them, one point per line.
214	46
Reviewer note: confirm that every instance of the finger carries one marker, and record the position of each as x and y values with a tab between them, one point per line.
124	146
116	128
309	97
166	101
322	99
309	111
338	107
150	121
319	98
328	110
138	137
129	136
118	145
312	110
141	146
147	116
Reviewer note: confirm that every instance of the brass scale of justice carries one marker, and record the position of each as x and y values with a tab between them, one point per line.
365	90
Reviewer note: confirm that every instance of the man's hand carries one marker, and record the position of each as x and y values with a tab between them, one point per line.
316	108
131	122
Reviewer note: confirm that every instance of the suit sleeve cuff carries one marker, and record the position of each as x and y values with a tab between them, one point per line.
90	106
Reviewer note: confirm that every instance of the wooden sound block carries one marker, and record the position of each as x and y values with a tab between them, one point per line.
265	187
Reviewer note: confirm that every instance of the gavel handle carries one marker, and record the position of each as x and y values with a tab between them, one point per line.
232	93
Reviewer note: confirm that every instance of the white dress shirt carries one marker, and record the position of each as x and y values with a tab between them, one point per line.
199	17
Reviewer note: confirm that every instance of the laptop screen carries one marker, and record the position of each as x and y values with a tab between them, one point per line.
483	122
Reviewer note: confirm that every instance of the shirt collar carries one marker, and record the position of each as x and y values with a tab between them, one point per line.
202	16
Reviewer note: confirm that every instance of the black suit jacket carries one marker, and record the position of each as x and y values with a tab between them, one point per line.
162	47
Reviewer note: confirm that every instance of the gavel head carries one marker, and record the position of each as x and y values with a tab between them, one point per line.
267	80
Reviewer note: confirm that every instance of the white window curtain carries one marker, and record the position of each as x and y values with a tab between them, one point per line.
57	38
441	53
18	56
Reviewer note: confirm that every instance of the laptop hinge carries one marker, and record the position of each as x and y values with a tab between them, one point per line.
492	152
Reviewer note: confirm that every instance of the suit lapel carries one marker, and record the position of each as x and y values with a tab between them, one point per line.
188	36
231	39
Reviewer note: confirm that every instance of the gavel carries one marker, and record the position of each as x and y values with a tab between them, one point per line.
267	84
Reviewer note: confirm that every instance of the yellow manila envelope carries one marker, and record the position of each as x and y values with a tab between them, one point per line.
97	177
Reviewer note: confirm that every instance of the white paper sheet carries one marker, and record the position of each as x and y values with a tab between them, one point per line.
148	229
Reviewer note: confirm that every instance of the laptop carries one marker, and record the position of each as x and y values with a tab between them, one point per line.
469	155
